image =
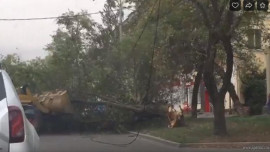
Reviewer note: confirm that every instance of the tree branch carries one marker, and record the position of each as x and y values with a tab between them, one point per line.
208	76
234	25
204	13
223	7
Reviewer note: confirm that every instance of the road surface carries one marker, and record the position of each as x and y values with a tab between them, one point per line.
95	143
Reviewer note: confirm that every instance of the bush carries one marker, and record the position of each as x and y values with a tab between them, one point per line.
255	95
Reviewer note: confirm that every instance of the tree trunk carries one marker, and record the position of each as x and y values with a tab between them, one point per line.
217	97
220	128
219	109
195	92
202	94
238	107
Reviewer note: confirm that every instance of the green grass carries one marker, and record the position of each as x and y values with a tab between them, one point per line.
240	129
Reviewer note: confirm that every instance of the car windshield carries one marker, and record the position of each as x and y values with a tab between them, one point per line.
134	75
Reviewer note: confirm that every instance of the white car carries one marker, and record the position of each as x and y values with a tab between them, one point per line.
17	134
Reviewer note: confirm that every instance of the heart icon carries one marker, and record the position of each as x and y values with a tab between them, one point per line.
235	4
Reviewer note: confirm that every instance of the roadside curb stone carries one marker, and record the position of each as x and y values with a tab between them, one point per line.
216	144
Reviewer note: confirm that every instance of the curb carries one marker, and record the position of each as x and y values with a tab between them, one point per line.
225	144
185	145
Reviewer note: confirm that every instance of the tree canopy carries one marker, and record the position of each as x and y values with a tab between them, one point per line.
163	41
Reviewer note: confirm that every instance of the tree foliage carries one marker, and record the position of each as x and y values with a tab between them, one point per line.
90	61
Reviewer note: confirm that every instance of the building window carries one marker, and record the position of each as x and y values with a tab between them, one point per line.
254	39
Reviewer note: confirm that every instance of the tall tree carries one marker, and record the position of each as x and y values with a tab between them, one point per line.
68	50
222	25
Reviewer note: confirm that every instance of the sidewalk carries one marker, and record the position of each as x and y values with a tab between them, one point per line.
230	145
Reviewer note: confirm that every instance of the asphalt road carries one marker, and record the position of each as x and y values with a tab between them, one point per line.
95	143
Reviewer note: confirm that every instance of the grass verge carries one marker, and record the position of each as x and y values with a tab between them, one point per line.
240	129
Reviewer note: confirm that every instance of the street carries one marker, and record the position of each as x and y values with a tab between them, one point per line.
91	143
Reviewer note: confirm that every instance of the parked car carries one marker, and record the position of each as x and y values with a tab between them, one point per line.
33	115
17	134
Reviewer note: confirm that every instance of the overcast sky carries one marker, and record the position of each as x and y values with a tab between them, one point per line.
29	38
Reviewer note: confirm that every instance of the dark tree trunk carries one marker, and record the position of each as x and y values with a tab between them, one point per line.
238	107
218	95
220	128
218	32
197	82
202	94
219	109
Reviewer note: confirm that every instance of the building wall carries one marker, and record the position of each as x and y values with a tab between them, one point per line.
267	55
263	58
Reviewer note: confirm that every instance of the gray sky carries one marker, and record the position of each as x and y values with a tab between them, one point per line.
29	38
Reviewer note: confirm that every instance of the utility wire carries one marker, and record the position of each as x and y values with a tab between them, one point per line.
133	48
53	17
120	145
153	54
140	36
144	27
47	18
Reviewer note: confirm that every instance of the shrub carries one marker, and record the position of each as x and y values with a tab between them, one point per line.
255	95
